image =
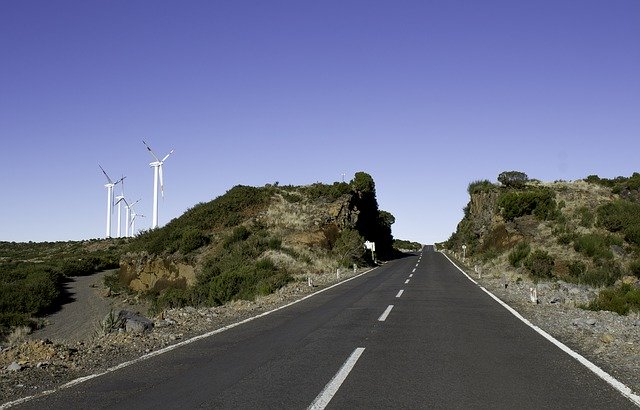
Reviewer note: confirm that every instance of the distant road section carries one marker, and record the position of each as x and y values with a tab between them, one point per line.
413	333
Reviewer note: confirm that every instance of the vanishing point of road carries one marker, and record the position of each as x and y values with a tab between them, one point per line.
413	333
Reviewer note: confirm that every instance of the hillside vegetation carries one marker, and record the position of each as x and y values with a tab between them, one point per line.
585	232
247	242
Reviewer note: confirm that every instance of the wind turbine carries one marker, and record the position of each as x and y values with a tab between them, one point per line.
109	185
133	222
129	208
157	174
119	200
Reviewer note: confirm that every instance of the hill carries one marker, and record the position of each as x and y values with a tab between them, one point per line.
250	241
583	232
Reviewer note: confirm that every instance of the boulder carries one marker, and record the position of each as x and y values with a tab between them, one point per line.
135	323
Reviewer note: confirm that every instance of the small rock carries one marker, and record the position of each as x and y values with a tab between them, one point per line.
590	322
607	338
636	323
556	300
14	367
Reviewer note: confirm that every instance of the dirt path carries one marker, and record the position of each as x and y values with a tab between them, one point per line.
78	319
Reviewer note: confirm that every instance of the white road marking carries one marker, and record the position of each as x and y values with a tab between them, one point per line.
172	347
406	281
411	275
384	314
615	383
414	269
325	396
400	293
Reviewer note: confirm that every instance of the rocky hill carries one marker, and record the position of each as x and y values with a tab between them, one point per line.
251	240
585	232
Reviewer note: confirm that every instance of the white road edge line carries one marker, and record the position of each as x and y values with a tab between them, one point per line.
384	314
325	396
175	346
400	293
615	383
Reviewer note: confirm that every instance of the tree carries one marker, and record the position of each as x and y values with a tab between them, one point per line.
513	179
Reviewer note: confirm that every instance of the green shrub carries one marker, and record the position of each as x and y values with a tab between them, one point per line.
540	264
539	202
622	300
513	179
595	245
519	254
634	268
478	186
587	218
192	239
621	216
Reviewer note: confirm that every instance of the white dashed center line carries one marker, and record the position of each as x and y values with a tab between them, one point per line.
411	275
406	281
400	293
325	396
414	269
384	314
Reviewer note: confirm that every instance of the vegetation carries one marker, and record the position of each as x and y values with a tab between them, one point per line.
520	252
513	179
539	202
622	300
400	244
32	275
483	185
587	236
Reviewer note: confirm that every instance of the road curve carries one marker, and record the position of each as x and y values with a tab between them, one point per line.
414	333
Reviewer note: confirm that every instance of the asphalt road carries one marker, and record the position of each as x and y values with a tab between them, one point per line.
443	344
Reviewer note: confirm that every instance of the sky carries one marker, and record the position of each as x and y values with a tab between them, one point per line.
425	96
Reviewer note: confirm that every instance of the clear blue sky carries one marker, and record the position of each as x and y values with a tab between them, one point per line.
426	96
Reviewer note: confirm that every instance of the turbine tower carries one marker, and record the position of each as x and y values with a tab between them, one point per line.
133	222
119	200
109	185
157	177
129	208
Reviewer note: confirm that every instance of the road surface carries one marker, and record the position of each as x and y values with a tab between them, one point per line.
414	333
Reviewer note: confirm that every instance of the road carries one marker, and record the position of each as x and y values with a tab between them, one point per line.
414	333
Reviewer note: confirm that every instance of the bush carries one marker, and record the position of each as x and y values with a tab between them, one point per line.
521	251
634	268
621	216
596	246
587	218
192	239
539	202
513	179
478	186
621	300
540	264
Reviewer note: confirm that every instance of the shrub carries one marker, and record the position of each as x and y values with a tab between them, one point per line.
478	186
596	246
540	264
519	254
634	268
621	216
621	300
349	247
513	179
587	218
539	202
192	239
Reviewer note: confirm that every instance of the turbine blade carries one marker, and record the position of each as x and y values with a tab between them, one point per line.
161	181
118	181
151	151
167	156
105	174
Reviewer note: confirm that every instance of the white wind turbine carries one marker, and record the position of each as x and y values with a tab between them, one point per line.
129	209
133	222
157	174
119	200
109	185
